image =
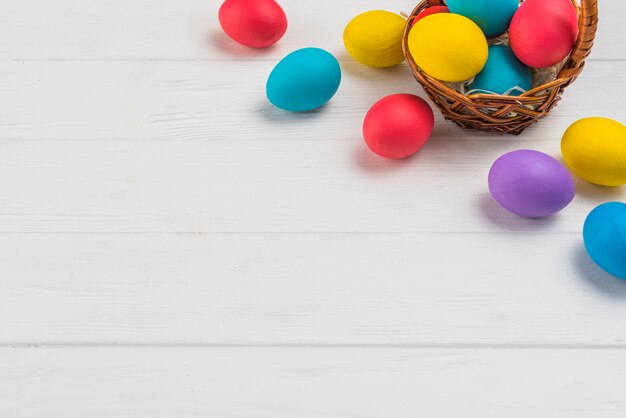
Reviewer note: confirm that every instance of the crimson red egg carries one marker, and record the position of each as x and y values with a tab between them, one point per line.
543	32
397	126
430	11
254	23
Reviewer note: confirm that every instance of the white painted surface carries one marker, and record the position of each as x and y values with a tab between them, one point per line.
383	289
284	382
174	246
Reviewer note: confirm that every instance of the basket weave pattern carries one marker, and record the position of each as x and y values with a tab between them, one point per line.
507	114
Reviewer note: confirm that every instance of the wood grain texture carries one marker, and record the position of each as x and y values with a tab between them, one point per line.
173	158
246	383
400	289
177	247
188	30
234	185
210	101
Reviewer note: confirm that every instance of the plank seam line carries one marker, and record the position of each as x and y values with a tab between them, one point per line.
236	59
207	140
294	233
436	346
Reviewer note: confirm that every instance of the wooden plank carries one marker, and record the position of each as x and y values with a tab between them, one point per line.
408	289
189	30
279	186
280	382
206	101
234	185
185	149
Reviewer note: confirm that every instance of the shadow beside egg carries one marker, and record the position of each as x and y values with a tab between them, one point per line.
356	69
221	41
593	275
511	222
367	161
599	193
272	113
592	191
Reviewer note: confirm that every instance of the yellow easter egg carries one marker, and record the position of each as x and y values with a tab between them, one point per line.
595	150
448	47
375	38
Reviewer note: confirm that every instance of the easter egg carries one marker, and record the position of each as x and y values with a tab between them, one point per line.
304	80
430	11
502	72
375	38
531	183
543	32
595	150
255	23
448	47
397	126
604	234
492	16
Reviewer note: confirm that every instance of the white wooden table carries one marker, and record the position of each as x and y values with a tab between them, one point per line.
173	246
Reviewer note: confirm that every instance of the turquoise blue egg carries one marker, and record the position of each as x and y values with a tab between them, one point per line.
605	237
304	80
492	16
501	73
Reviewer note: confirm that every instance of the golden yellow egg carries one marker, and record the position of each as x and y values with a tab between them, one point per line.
448	47
375	38
595	150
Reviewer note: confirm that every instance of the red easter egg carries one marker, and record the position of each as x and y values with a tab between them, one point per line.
397	126
430	11
255	23
543	32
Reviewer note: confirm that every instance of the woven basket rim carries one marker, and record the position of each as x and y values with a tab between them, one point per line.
587	12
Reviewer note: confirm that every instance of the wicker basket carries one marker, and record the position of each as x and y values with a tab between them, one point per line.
507	114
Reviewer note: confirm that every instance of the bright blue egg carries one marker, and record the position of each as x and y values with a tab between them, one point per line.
501	73
304	80
605	237
492	16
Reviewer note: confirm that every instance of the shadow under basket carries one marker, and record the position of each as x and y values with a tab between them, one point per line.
507	114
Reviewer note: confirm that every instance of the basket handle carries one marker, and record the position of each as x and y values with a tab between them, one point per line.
587	31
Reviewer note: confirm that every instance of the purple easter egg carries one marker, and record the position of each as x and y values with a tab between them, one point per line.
531	183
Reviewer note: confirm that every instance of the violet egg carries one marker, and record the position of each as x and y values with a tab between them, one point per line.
531	183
